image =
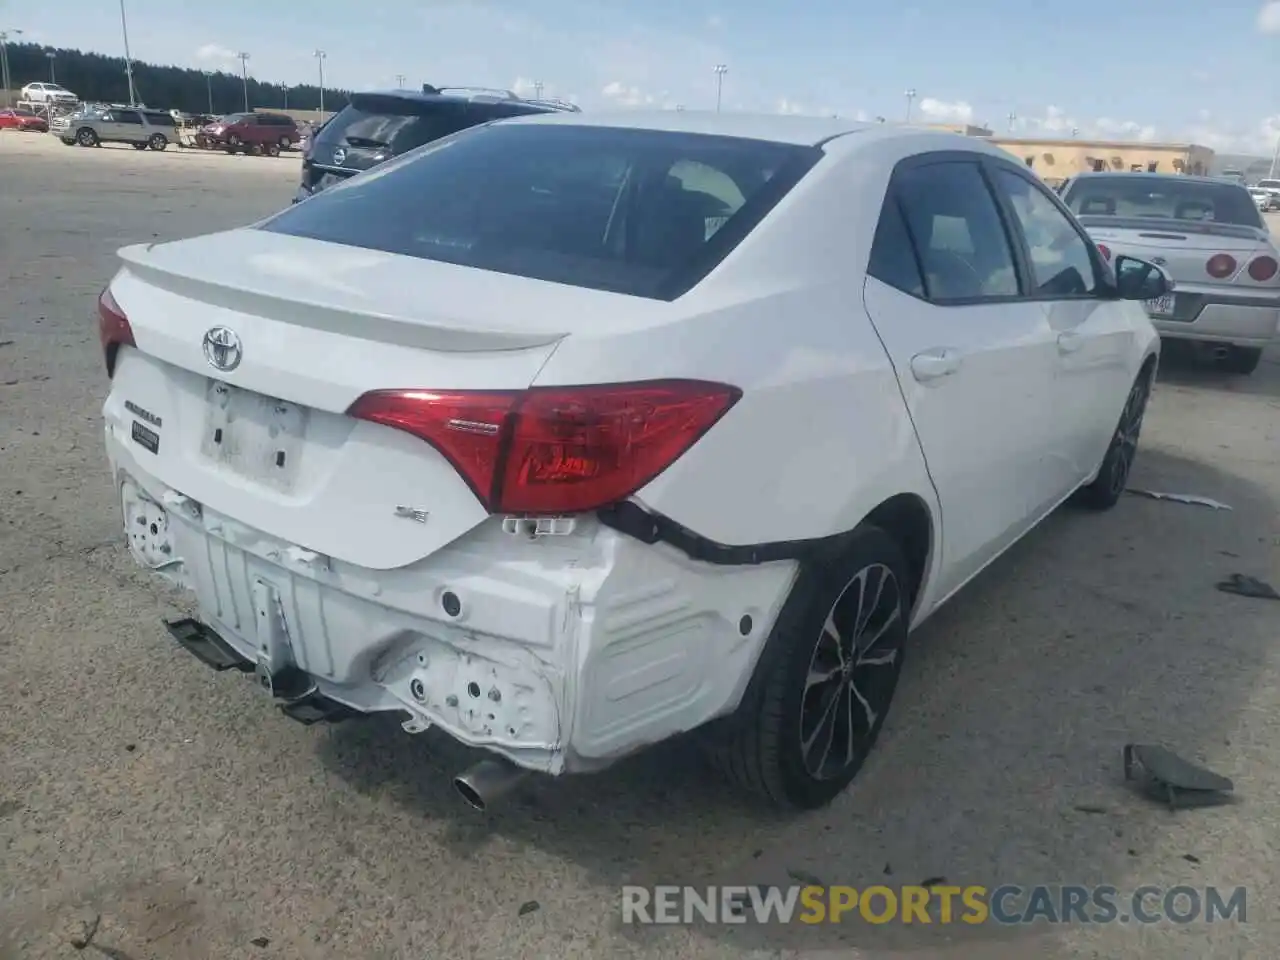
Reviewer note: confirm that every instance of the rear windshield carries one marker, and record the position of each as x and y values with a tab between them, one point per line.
640	212
1162	199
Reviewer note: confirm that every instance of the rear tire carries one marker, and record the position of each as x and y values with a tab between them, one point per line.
825	680
1241	360
272	149
286	143
1113	476
158	142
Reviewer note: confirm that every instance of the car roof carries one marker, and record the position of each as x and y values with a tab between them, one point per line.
1144	175
418	96
780	128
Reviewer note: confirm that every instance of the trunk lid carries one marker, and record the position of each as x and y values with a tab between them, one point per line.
1183	248
318	325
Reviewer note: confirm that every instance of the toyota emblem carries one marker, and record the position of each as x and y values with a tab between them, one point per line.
339	155
1159	261
222	349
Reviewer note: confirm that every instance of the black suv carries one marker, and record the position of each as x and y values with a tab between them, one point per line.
375	127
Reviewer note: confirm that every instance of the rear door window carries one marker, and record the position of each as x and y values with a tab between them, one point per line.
640	212
128	116
956	226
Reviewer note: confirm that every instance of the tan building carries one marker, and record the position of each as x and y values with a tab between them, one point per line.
1056	160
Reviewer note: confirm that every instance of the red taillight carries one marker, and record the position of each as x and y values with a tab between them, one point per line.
556	450
1105	251
468	428
1221	266
1263	268
113	329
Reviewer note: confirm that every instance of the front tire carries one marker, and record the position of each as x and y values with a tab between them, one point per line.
1241	360
826	678
158	142
86	137
1113	476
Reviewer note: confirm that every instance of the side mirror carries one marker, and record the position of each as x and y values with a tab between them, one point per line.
1140	280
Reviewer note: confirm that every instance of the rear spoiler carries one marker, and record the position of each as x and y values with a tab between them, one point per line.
1168	225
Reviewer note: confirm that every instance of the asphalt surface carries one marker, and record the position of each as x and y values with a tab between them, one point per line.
182	811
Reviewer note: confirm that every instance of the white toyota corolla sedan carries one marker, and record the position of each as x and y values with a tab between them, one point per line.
572	433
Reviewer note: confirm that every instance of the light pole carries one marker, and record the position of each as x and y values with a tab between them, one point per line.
285	88
400	81
4	64
128	60
1075	132
208	88
320	55
244	77
721	69
1275	160
537	89
1013	119
53	76
911	96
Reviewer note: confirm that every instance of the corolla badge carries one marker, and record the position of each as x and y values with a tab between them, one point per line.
1159	261
339	155
222	349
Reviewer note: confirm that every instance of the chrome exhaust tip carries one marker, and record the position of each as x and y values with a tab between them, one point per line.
488	781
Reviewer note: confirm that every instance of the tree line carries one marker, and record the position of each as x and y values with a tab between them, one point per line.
98	78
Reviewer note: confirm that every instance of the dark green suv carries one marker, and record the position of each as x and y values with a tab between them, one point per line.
375	127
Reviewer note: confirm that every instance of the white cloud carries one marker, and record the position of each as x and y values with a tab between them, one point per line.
211	52
1269	17
1056	122
625	95
943	111
715	22
795	109
1124	129
1259	139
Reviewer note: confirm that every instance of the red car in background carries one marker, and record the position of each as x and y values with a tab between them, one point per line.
19	118
267	133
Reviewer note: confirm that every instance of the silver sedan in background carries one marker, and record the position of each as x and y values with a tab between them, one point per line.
1209	236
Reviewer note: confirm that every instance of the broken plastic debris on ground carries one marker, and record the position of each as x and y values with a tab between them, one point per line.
1164	775
1179	498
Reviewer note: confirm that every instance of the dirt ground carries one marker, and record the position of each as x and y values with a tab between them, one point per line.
182	811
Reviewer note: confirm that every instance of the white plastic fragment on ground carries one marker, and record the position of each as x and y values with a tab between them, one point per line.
1180	498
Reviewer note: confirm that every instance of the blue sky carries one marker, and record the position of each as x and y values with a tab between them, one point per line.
1170	70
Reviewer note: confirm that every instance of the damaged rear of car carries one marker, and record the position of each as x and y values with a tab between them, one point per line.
356	433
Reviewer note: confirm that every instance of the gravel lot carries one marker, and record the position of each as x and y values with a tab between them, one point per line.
183	810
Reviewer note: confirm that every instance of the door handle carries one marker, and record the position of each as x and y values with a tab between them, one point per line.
1069	342
934	364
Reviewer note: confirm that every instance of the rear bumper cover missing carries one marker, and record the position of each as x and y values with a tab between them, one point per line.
562	653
